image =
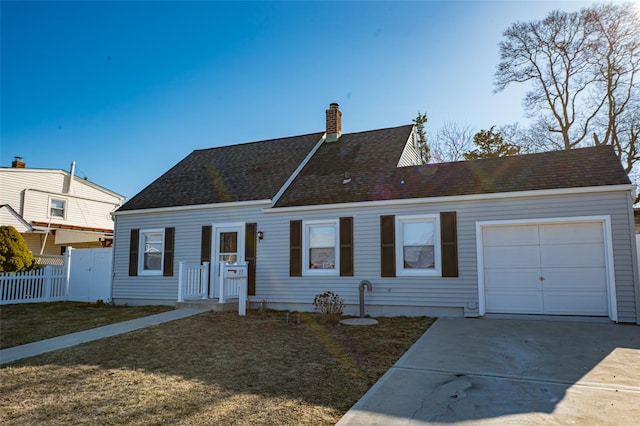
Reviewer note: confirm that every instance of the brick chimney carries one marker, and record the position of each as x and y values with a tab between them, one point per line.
334	122
18	163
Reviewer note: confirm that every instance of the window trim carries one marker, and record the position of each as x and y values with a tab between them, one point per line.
141	270
306	225
436	271
64	208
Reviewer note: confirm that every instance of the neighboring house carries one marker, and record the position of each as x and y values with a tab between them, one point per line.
54	209
549	233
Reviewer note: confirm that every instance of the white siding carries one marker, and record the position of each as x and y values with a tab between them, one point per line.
28	192
390	296
188	229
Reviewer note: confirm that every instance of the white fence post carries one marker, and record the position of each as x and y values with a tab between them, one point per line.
242	296
67	271
180	283
47	282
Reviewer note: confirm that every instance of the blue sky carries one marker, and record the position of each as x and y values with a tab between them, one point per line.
127	89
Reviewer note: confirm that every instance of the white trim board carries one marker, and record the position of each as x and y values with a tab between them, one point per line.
456	198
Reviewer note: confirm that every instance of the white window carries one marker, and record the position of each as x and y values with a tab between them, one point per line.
57	208
320	247
418	245
151	252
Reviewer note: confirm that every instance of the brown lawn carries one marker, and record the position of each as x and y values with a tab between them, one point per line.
30	322
208	369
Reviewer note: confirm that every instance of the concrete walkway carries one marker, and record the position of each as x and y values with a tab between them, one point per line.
61	342
510	372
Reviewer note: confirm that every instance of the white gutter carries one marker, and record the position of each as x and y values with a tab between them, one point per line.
456	198
297	171
233	204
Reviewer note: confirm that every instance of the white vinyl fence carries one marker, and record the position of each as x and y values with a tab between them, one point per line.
84	277
48	284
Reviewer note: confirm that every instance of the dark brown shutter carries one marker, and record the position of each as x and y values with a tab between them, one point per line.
295	248
205	244
134	243
449	243
169	234
387	246
346	246
250	251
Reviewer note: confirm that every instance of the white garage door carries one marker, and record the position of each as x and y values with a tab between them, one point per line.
553	269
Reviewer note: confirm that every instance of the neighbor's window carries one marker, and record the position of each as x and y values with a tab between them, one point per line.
320	247
417	245
57	207
151	251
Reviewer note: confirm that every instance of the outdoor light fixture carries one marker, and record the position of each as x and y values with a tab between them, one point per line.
260	235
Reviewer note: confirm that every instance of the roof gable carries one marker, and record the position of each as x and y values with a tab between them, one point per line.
365	157
244	172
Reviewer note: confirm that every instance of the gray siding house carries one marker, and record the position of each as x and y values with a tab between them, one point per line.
543	234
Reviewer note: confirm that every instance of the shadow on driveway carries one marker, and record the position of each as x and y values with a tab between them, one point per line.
492	371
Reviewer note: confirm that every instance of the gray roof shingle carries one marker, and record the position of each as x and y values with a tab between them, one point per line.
244	172
257	171
374	178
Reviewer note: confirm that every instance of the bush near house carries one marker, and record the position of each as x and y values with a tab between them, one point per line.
14	254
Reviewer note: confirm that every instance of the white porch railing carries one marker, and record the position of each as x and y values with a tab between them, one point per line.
49	284
193	281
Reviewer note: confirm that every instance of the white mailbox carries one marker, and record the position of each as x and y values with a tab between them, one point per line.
235	272
233	283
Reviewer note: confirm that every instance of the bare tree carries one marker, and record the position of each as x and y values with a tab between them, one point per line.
582	68
451	142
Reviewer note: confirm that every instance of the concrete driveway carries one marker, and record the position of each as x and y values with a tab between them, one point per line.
510	372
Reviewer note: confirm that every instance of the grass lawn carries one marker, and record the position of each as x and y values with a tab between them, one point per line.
30	322
212	368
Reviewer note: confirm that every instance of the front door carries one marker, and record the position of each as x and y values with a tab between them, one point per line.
229	248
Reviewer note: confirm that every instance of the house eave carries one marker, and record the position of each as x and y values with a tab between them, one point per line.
235	204
458	198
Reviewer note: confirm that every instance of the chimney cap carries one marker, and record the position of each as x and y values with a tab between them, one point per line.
334	105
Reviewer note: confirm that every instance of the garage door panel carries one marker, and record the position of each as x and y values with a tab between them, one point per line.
512	256
575	279
510	235
571	233
575	303
504	279
515	302
572	255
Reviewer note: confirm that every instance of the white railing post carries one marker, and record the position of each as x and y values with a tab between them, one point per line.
180	283
221	282
204	280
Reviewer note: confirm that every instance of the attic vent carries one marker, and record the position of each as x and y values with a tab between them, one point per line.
347	178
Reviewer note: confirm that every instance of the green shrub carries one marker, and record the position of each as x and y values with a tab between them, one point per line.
15	256
328	307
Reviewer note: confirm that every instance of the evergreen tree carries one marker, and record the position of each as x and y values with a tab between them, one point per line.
420	121
490	144
15	256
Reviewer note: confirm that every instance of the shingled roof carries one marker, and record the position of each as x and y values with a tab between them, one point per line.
374	177
244	172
